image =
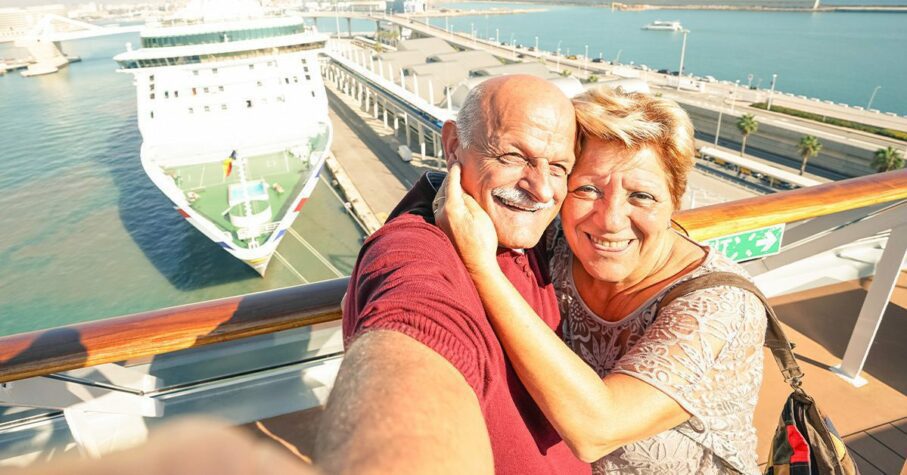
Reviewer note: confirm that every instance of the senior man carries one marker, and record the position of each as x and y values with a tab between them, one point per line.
425	386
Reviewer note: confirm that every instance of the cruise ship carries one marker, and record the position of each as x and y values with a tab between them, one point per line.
234	120
661	25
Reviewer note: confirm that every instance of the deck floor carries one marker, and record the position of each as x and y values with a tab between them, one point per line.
872	418
209	182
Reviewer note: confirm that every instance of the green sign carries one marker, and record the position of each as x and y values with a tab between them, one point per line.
750	244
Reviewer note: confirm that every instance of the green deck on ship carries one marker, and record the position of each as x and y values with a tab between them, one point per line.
209	182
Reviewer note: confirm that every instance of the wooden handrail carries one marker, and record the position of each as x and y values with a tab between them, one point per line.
163	331
166	330
752	213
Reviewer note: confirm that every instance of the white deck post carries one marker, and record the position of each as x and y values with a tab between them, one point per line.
864	332
421	139
406	127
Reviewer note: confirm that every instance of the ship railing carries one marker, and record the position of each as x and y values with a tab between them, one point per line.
284	346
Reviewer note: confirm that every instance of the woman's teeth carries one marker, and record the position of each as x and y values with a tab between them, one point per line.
610	245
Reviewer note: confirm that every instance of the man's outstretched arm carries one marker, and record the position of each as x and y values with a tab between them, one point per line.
399	407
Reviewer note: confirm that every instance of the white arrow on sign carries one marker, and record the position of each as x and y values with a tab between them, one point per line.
768	241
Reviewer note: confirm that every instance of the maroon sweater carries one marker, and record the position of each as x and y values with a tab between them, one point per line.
409	279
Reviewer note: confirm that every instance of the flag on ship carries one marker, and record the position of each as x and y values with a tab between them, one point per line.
228	164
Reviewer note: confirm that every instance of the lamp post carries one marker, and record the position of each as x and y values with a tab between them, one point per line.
873	96
734	95
536	44
771	94
586	59
683	51
497	35
557	56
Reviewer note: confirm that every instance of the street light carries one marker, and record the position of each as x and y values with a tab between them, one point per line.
771	95
497	35
734	95
557	56
536	44
873	96
586	59
683	51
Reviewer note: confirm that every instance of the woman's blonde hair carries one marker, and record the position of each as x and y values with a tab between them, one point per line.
639	120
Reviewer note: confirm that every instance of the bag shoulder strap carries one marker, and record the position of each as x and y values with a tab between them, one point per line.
775	339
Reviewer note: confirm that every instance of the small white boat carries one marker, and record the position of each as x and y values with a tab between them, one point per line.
664	26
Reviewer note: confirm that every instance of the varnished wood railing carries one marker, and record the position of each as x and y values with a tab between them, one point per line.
163	331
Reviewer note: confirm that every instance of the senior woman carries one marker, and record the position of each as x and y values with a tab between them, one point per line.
636	388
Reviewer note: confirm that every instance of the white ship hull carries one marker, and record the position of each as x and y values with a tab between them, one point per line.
234	122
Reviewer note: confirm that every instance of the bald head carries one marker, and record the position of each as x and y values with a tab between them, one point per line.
514	138
518	94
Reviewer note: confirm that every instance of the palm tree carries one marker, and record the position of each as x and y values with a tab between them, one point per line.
809	146
747	125
887	159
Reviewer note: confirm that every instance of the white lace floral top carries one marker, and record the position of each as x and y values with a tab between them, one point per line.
703	350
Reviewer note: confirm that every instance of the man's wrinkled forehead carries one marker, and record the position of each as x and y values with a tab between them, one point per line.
532	121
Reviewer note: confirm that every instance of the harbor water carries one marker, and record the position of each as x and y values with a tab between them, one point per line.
85	235
837	56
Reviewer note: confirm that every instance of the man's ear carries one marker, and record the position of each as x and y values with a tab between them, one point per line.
450	141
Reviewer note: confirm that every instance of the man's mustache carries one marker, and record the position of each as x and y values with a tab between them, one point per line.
520	198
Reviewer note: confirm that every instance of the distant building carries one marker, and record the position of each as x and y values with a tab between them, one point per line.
16	21
410	6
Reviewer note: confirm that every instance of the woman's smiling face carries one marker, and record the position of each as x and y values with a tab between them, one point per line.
617	213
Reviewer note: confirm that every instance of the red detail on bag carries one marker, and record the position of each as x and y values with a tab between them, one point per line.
301	202
798	444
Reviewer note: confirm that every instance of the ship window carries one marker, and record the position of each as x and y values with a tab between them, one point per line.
313	93
223	107
286	80
249	103
152	114
151	78
191	110
166	94
306	69
295	79
251	66
206	90
195	72
270	63
152	95
259	83
194	91
176	94
213	70
207	109
308	78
